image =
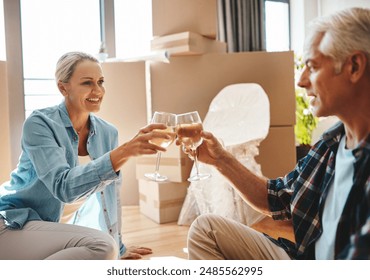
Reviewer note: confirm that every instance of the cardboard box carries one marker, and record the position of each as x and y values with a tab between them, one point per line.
124	106
174	164
187	43
190	83
175	16
277	153
162	201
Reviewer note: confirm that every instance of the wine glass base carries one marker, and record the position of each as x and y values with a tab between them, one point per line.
156	177
198	177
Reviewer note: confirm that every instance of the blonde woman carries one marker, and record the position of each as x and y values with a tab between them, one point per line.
70	157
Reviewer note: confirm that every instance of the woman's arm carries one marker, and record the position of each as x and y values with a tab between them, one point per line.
51	152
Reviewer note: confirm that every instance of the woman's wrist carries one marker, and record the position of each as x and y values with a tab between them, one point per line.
118	157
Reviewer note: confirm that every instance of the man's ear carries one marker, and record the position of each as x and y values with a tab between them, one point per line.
62	88
358	64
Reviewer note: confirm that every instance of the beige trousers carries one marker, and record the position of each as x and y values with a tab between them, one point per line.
47	240
212	237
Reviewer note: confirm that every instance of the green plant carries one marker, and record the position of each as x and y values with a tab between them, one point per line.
306	122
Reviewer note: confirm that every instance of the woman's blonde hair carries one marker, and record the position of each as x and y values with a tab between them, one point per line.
67	63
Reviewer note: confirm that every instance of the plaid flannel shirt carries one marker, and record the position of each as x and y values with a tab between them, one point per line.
301	194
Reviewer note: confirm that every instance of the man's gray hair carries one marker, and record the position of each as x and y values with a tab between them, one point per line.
343	32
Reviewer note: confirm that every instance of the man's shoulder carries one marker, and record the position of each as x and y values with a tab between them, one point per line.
334	131
331	136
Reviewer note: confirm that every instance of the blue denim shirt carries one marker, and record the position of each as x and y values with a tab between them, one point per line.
48	174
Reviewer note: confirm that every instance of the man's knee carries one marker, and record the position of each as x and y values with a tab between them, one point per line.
203	223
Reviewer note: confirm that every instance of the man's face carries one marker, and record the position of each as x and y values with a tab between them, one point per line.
327	89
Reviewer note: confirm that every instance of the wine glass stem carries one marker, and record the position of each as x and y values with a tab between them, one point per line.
196	161
157	163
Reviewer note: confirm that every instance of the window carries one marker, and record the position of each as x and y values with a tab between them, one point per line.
49	29
52	27
277	25
133	27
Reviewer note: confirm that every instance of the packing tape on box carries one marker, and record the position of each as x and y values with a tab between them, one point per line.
164	203
142	197
169	203
164	161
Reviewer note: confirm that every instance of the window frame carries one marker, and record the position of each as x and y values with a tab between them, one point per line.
14	56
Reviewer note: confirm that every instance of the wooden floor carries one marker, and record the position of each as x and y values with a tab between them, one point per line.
166	240
169	240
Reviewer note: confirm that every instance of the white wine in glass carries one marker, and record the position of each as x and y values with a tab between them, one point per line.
188	129
170	121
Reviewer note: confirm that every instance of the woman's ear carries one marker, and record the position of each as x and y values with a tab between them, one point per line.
62	88
358	62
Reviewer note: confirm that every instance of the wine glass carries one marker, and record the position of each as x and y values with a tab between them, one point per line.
169	120
189	127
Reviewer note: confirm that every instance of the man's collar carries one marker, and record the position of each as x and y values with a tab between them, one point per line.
333	134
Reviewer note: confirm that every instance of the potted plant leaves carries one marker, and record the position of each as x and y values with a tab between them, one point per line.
306	122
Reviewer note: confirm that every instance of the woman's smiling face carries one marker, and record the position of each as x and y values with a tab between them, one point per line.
85	90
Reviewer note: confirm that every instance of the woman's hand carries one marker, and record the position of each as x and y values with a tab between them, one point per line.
136	253
139	145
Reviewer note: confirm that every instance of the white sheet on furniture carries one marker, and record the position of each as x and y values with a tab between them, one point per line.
239	116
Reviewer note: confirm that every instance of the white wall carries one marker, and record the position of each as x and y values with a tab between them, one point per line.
302	12
329	6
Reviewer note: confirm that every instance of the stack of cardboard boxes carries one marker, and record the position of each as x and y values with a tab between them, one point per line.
186	27
191	82
162	201
182	28
199	68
